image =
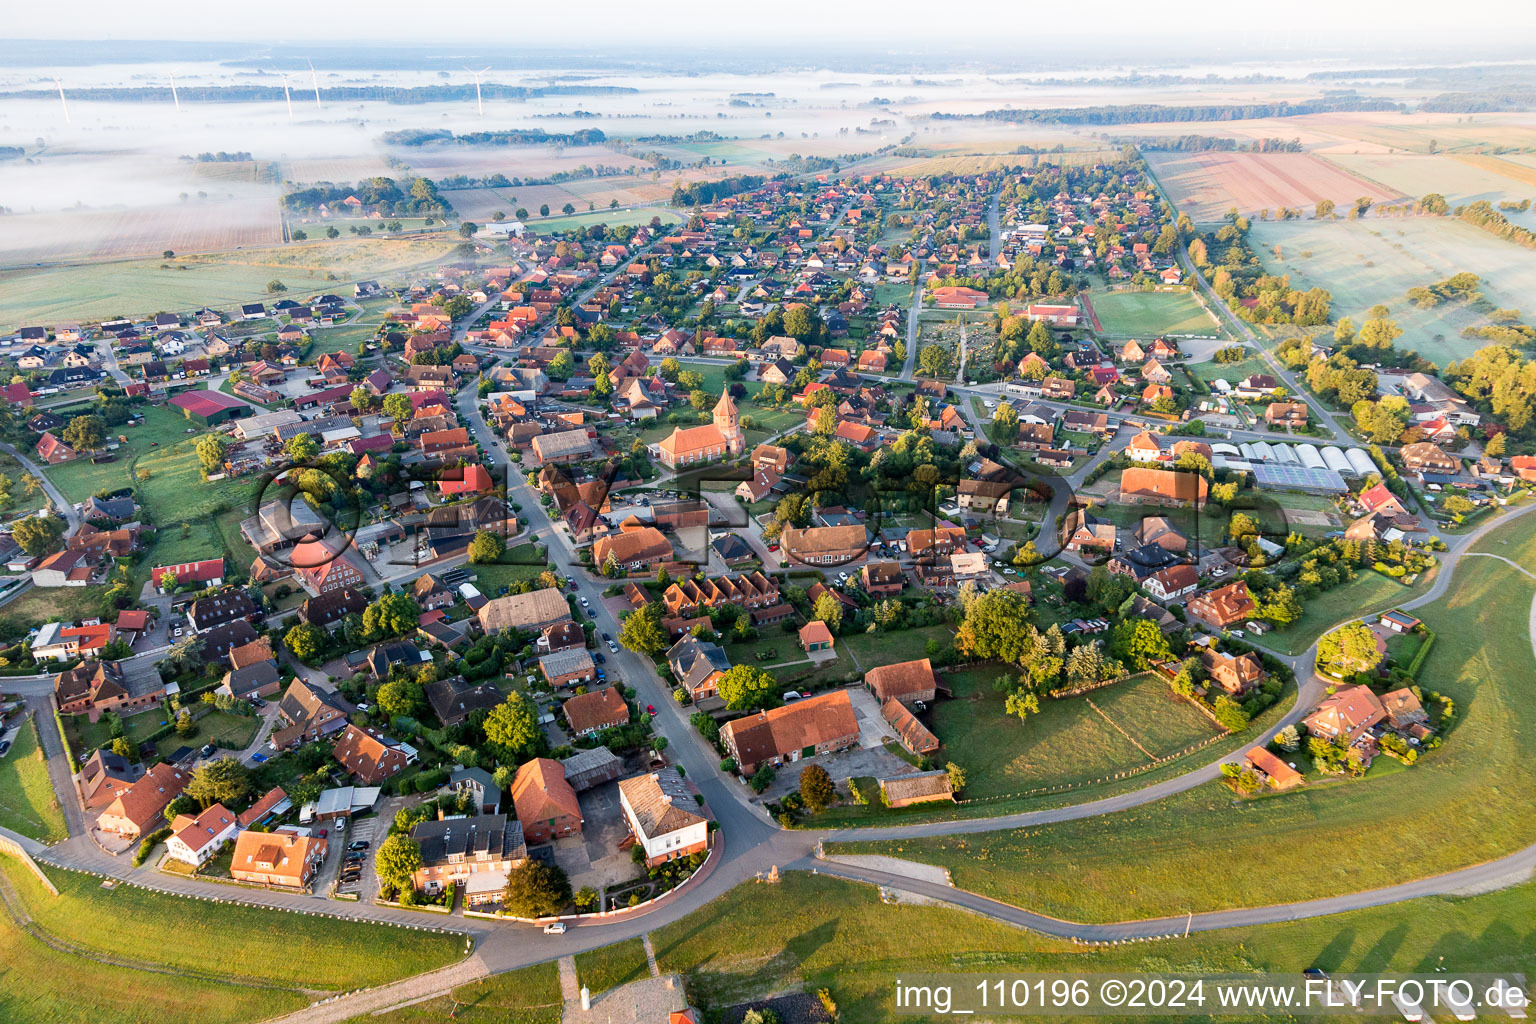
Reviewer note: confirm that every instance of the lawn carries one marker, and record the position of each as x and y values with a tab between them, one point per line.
231	731
1068	742
1327	838
1366	594
163	426
611	218
21	502
811	932
872	649
1229	372
176	490
527	996
27	801
1151	314
230	942
612	966
45	986
189	541
49	604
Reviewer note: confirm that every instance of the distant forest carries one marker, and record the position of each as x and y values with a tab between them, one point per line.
1207	144
1136	113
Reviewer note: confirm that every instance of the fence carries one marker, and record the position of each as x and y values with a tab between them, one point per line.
1128	773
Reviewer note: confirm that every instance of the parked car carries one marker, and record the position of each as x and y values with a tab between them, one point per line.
613	647
555	928
650	709
600	658
207	750
360	844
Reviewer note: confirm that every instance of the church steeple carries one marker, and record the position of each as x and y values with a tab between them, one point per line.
728	422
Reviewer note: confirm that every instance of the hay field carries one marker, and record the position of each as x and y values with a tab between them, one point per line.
1365	262
1460	178
1207	185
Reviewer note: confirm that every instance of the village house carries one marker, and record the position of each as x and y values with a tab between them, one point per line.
1223	607
595	711
1238	674
568	667
908	681
140	809
104	777
912	734
475	852
818	725
196	838
365	756
824	545
286	859
1169	487
661	814
546	804
698	666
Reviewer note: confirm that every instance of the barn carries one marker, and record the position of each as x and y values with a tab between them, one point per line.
210	407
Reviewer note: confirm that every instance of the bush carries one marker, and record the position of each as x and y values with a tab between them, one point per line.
147	846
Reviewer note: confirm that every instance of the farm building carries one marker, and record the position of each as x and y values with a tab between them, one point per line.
210	407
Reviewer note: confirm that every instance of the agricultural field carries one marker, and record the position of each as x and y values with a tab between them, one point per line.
1072	740
1366	262
613	218
812	932
1322	841
1133	314
441	161
194	226
1460	177
1207	185
27	801
223	279
307	170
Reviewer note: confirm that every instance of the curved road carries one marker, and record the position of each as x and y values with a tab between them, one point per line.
752	844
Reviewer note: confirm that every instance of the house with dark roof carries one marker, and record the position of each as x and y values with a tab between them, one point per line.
454	700
307	713
474	852
327	609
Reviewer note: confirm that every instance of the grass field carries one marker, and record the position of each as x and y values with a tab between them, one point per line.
1461	178
163	427
527	996
224	941
233	732
1151	314
813	932
1326	839
1068	741
27	801
1366	594
51	604
1366	262
97	290
612	966
1207	185
1230	372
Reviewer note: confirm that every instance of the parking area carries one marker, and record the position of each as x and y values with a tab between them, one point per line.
874	730
875	762
594	858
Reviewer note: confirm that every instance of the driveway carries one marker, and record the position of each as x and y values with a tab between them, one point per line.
875	762
594	858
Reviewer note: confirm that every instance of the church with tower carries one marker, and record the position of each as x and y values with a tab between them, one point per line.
719	439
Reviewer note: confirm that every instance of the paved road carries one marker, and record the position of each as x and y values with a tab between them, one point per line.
60	503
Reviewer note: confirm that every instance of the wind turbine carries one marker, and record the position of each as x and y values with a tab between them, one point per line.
174	98
288	96
62	101
315	81
479	106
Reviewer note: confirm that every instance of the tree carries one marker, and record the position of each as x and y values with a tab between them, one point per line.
362	399
391	615
934	361
85	433
1022	703
306	641
274	286
302	449
1496	445
1139	643
468	229
536	889
1005	423
5	490
826	421
816	788
956	776
1349	649
568	209
185	725
401	696
746	688
224	781
513	725
995	626
828	609
398	859
121	747
398	407
543	209
211	449
1457	504
487	547
39	535
642	631
1323	209
330	232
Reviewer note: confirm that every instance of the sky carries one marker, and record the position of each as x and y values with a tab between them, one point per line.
1361	24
